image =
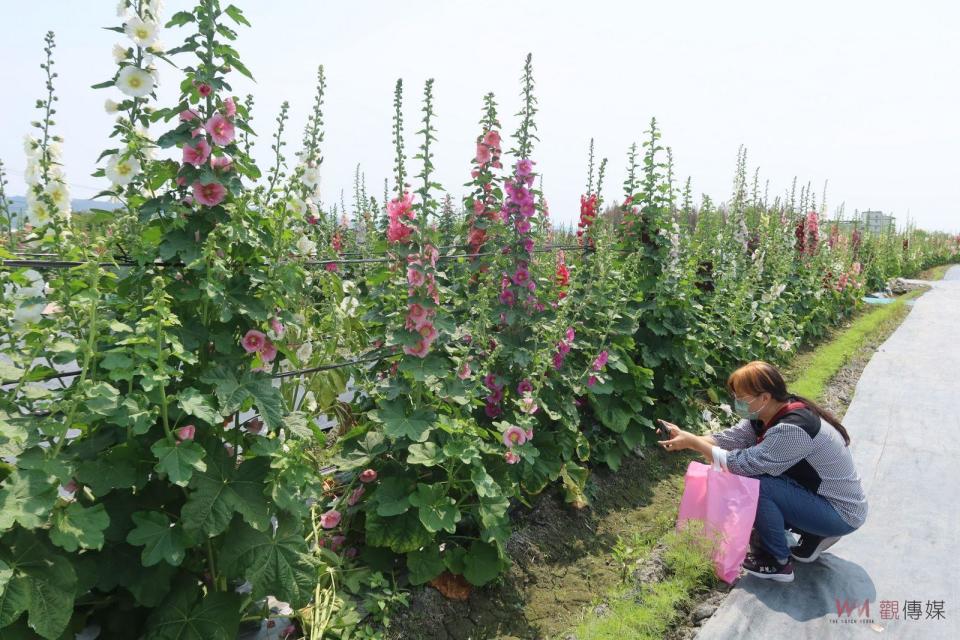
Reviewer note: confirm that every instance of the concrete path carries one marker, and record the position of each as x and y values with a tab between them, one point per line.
904	423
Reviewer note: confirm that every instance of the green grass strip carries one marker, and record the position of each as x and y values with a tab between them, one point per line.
815	369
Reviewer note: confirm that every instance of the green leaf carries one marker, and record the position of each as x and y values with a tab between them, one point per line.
120	467
159	540
179	19
433	365
198	405
462	450
222	489
481	563
277	564
427	454
232	393
392	496
424	564
486	486
178	461
26	497
399	421
102	399
361	453
437	510
187	615
79	527
42	584
236	14
401	533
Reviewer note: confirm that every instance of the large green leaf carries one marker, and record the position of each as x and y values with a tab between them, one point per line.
223	489
186	614
392	496
401	421
436	509
120	467
427	454
178	460
481	563
159	540
198	405
26	497
232	393
42	583
361	452
277	564
401	533
79	527
424	564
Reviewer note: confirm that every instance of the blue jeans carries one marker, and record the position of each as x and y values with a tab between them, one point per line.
786	503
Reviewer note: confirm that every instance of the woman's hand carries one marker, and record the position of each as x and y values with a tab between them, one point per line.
677	438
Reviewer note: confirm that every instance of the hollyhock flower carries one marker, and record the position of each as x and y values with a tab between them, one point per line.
464	371
856	268
210	194
525	386
529	405
268	352
492	139
570	334
417	315
524	167
528	245
514	435
204	89
229	107
492	410
142	32
507	297
220	163
330	519
563	348
355	496
428	332
253	341
496	396
187	115
420	350
336	542
111	106
511	457
306	246
490	382
557	361
121	171
277	327
367	476
601	361
197	154
521	276
415	277
483	154
135	82
186	433
221	130
529	433
592	380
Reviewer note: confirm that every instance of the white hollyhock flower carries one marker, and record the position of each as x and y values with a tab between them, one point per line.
28	313
110	106
30	146
60	195
121	171
310	401
55	150
156	47
31	175
119	53
306	246
305	351
142	32
36	208
311	177
122	8
134	82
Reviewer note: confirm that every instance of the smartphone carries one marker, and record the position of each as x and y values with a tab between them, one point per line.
663	429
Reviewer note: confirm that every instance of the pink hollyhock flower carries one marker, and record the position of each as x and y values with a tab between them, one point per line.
529	405
601	361
523	226
181	181
507	297
557	361
230	107
421	349
220	129
563	348
511	457
571	334
495	397
492	410
197	154
187	115
330	519
221	163
474	173
210	194
268	352
367	476
312	219
186	433
514	435
398	232
492	139
525	386
350	553
277	326
592	380
478	207
415	277
483	153
253	340
857	268
199	132
428	332
336	542
521	276
204	89
490	382
417	315
355	496
464	372
530	434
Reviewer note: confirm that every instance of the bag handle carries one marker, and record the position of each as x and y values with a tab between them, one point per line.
716	465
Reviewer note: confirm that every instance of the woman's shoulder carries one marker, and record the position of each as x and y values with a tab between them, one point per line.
803	417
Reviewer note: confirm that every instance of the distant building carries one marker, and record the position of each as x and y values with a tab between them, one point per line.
878	222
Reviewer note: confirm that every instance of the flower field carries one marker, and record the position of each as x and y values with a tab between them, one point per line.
226	391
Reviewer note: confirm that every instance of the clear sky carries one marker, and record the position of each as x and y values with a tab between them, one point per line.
864	94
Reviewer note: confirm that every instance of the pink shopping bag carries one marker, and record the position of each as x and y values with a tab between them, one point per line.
727	505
